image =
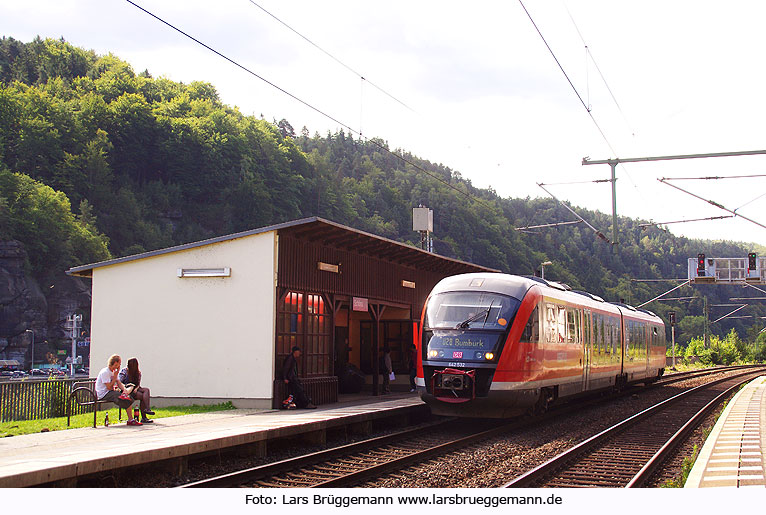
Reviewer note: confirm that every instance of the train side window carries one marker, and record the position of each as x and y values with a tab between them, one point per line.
531	332
644	338
562	324
598	329
634	339
571	326
550	323
596	332
578	326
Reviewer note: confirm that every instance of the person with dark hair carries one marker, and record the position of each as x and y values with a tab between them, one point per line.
109	388
294	385
413	366
387	368
131	375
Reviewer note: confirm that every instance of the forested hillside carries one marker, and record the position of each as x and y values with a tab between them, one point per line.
98	161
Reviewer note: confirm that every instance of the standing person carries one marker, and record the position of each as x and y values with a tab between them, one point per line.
131	375
387	369
413	366
294	385
109	388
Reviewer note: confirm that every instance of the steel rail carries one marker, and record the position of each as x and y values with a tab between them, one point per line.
560	461
315	458
656	461
399	463
691	374
277	467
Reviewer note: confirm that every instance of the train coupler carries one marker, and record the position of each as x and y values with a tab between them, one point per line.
454	385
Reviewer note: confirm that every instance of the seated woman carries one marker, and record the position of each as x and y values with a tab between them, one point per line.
109	388
132	375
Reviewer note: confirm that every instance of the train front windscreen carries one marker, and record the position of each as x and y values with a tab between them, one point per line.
463	327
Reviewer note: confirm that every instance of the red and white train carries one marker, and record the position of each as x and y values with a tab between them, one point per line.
497	345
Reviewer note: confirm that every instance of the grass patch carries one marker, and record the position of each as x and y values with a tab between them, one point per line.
24	427
686	468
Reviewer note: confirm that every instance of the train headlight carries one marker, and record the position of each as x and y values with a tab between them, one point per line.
432	353
489	356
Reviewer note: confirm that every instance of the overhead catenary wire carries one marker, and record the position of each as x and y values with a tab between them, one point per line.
598	233
652	224
754	287
575	182
751	201
711	202
598	69
714	177
555	58
658	280
331	56
586	106
313	108
729	314
556	224
685	283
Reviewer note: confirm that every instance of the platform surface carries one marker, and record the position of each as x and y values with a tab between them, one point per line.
734	455
39	458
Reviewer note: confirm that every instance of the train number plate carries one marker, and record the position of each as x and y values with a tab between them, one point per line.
458	354
456	364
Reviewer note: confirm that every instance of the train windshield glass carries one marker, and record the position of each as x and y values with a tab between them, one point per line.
470	310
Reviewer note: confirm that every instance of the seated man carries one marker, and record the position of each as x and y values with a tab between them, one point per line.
110	389
294	385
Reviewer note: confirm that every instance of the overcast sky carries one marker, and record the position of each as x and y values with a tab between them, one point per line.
484	96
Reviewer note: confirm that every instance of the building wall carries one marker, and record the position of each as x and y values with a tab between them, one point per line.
201	339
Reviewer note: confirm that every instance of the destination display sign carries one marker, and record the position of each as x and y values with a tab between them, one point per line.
471	346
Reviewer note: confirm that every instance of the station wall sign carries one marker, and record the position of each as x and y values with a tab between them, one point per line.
359	304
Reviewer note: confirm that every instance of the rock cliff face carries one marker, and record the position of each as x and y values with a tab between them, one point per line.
25	305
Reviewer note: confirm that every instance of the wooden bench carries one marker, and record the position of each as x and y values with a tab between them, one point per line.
84	394
321	390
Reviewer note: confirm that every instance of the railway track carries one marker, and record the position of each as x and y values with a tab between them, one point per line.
355	463
630	452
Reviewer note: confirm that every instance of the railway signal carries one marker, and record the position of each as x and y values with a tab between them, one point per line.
747	270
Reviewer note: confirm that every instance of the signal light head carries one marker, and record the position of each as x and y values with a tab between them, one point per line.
752	260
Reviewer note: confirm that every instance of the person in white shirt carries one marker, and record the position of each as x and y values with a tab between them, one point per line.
110	389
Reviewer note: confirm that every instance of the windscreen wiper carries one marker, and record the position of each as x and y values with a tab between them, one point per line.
464	324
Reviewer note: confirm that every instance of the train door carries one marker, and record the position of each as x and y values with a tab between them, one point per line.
617	335
587	347
648	344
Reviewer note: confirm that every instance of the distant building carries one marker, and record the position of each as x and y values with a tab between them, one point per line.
212	321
